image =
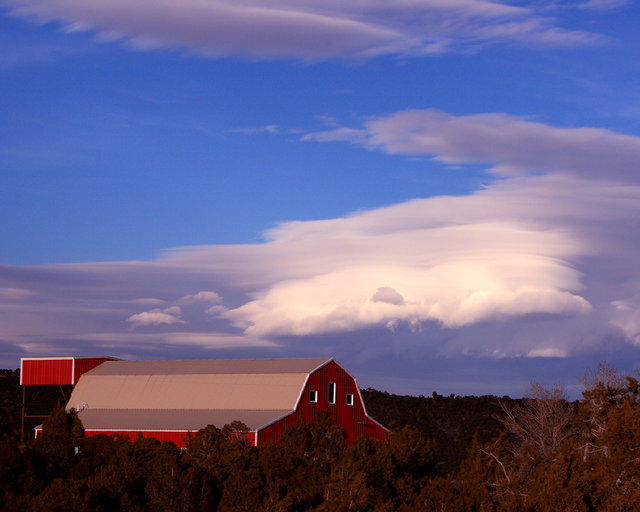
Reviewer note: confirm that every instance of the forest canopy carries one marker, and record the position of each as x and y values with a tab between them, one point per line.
539	453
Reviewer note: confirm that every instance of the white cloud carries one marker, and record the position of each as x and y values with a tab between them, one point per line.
571	200
537	264
626	315
270	128
14	293
148	301
215	340
308	29
208	340
210	297
603	5
468	267
547	352
166	316
172	314
387	295
216	310
511	145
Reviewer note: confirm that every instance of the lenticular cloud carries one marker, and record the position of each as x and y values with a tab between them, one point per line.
553	254
307	29
511	145
537	243
474	268
549	252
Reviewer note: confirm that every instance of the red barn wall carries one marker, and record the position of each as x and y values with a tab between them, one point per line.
175	437
350	417
179	438
85	364
38	372
49	371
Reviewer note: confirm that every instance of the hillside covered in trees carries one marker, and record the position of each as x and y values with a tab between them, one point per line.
445	453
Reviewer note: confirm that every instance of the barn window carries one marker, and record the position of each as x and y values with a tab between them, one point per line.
313	395
332	392
349	399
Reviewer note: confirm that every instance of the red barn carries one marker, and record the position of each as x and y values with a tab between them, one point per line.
168	400
56	371
40	375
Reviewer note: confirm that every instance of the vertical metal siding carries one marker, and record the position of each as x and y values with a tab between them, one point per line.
49	371
350	417
42	372
83	365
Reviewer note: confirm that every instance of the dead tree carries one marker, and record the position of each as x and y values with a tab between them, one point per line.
604	389
543	420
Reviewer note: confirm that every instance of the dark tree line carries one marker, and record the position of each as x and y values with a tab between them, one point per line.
309	469
453	422
541	453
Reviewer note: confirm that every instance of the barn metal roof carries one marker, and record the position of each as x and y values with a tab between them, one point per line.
210	366
187	420
152	395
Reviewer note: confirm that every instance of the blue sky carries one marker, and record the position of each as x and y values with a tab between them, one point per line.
442	195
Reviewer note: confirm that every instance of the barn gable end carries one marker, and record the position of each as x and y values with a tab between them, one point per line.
352	417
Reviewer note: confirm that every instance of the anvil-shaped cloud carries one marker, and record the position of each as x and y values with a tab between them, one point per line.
479	270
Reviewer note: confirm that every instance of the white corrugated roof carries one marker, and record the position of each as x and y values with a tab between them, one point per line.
165	419
210	366
213	385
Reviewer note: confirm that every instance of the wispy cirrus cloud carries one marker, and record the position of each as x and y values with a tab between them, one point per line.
270	128
603	5
309	30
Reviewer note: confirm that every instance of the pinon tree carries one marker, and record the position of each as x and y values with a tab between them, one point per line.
212	457
611	444
291	475
62	434
380	476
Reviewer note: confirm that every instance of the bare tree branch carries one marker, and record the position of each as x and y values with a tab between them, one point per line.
544	419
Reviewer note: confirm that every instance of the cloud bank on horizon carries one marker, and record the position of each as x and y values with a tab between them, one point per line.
550	244
312	30
540	261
